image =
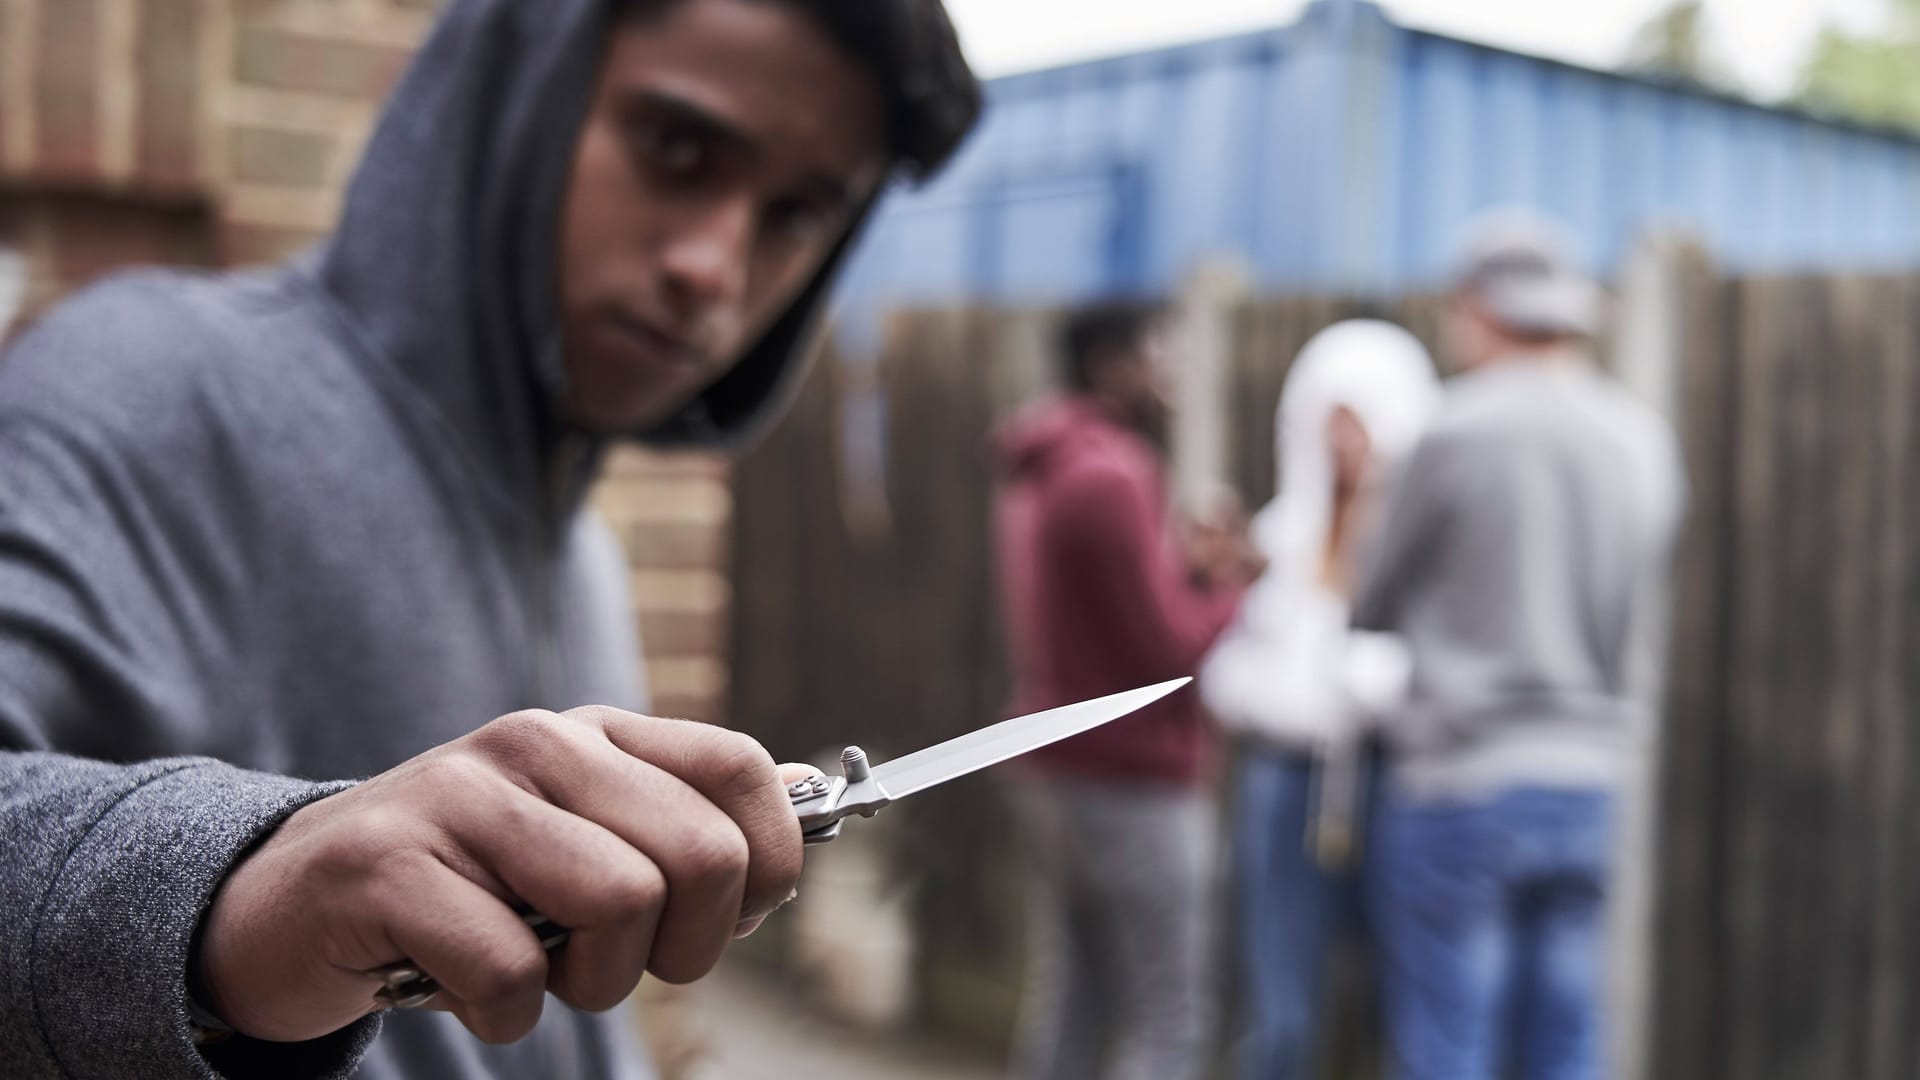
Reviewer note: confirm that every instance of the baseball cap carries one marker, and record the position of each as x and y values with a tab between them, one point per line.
1520	265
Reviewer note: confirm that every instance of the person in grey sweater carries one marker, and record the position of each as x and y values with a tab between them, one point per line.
1526	527
262	535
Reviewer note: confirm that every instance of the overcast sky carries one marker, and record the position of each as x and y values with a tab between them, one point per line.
1763	40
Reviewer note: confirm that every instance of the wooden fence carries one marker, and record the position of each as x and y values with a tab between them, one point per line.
1789	876
1788	830
886	633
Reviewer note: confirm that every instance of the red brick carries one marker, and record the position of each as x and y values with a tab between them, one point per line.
634	462
292	60
67	92
683	633
167	149
252	245
675	546
281	158
704	710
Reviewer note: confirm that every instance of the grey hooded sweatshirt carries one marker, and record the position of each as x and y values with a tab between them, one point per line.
261	535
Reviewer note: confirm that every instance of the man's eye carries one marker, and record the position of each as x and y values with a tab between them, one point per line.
670	151
800	220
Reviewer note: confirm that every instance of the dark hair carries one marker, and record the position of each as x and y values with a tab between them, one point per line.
1097	330
932	96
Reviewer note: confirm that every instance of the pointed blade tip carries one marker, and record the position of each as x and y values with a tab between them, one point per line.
899	786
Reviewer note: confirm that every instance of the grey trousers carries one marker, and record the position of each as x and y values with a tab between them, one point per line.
1119	983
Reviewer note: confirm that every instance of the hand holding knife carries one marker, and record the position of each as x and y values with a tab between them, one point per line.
823	803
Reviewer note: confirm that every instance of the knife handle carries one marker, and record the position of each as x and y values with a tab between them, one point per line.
405	986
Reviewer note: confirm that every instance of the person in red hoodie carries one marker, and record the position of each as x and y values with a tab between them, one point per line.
1118	822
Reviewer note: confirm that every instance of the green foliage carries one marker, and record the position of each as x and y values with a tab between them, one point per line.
1678	44
1869	77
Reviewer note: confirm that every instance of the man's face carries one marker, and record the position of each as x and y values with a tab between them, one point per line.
1469	338
727	149
1140	379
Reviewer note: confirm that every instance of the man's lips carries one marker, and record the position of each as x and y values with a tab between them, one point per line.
657	344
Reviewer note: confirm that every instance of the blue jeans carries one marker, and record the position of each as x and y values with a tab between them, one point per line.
1491	920
1287	912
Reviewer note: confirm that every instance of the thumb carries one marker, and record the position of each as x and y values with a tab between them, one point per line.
793	772
790	773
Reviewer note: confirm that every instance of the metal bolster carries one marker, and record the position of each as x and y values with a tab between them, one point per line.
823	803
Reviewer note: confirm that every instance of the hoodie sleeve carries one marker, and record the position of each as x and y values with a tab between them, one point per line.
1272	674
1105	540
106	868
1290	670
104	871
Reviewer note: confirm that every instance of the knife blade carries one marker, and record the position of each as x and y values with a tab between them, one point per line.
822	803
1009	739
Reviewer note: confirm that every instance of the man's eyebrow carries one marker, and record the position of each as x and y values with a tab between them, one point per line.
687	113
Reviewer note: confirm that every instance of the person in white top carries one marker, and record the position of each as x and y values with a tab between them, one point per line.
1299	689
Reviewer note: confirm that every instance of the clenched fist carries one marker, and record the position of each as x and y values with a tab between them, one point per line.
657	841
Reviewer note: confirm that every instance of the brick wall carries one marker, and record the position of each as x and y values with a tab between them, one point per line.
222	133
302	85
673	514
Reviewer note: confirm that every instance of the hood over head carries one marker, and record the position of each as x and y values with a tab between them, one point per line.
445	261
1380	372
1041	435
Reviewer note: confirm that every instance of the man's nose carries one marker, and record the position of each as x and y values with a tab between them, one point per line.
706	258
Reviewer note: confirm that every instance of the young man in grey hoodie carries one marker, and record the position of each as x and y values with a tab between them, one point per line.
264	534
1526	526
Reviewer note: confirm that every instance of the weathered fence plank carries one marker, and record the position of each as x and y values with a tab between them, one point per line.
1788	868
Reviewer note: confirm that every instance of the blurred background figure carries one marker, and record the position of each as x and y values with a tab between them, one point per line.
1299	688
1523	529
1118	823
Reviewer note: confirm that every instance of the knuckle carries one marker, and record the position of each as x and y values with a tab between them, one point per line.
515	732
713	852
507	976
596	1000
502	1025
532	742
684	966
596	717
597	990
680	974
740	766
633	896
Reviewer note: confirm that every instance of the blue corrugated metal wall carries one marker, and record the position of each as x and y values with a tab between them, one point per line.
1345	152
